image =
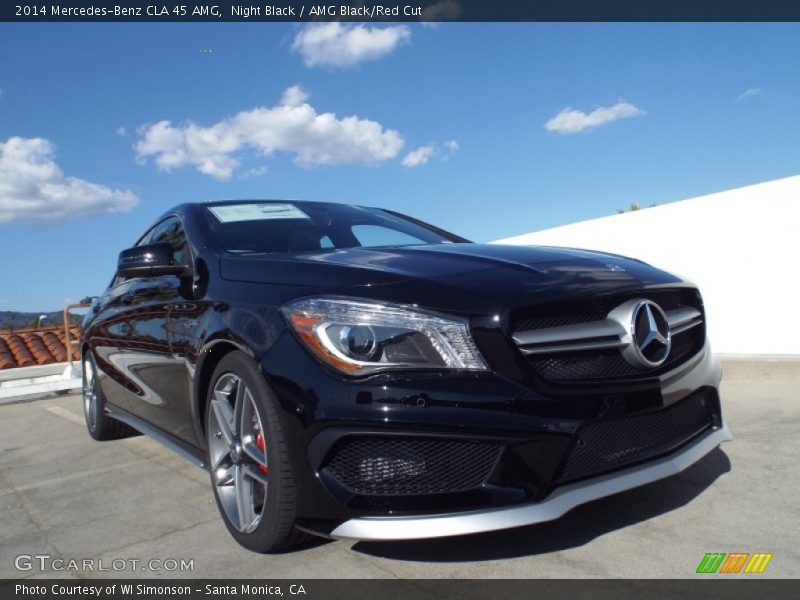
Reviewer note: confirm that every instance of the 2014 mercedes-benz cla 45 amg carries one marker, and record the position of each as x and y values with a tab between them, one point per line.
356	373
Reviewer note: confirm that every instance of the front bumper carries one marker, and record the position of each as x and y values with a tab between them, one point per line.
559	502
537	430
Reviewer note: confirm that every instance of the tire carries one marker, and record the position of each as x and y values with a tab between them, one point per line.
100	426
249	464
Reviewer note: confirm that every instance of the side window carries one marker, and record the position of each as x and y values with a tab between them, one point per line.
146	237
171	230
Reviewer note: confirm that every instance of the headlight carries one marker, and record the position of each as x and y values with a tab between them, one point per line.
360	337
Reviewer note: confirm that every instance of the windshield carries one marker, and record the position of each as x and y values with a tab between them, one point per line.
279	227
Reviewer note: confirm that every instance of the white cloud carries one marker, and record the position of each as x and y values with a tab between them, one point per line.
294	96
420	156
292	126
33	186
570	121
423	154
121	131
748	93
337	45
255	172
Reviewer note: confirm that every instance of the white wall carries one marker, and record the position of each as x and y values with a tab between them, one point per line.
741	247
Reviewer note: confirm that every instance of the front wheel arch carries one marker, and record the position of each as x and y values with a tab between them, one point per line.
210	356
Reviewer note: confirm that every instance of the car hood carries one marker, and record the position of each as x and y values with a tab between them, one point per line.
467	266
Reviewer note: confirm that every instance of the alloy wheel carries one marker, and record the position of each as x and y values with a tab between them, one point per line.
89	394
237	451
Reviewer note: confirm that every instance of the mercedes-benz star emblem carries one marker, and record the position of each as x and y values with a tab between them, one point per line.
645	339
650	334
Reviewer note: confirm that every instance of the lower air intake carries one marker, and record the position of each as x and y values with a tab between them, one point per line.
613	443
399	465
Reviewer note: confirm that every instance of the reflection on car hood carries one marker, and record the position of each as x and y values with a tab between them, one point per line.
512	265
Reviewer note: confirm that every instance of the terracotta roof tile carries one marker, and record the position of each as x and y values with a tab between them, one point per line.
6	360
55	346
30	347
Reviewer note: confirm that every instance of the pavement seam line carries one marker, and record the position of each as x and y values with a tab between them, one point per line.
76	475
162	535
65	413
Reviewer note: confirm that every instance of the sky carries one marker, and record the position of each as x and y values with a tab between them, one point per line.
486	130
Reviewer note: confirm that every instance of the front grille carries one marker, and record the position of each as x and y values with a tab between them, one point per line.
610	444
595	308
583	365
599	364
400	465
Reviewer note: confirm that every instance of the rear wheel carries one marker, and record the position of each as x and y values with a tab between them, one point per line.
101	427
248	459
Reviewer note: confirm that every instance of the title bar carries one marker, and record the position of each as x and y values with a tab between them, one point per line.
405	11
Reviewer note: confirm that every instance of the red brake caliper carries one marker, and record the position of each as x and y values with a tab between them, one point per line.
260	446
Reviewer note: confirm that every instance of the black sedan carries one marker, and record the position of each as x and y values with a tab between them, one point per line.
356	373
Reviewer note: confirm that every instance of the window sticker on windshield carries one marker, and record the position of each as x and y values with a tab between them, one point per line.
256	212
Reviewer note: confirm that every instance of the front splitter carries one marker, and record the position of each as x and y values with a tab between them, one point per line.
558	503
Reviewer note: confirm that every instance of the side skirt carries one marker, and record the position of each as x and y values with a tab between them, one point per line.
190	453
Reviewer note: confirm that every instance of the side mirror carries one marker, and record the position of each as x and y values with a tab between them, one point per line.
148	260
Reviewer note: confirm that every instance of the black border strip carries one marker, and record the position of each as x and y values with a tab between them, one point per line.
731	587
405	11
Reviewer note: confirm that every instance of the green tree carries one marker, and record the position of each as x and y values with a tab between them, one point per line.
633	206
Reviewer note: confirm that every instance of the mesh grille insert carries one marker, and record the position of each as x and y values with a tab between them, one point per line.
387	465
592	365
610	444
595	308
583	365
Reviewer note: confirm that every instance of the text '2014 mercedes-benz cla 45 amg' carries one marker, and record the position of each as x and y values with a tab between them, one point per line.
356	373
